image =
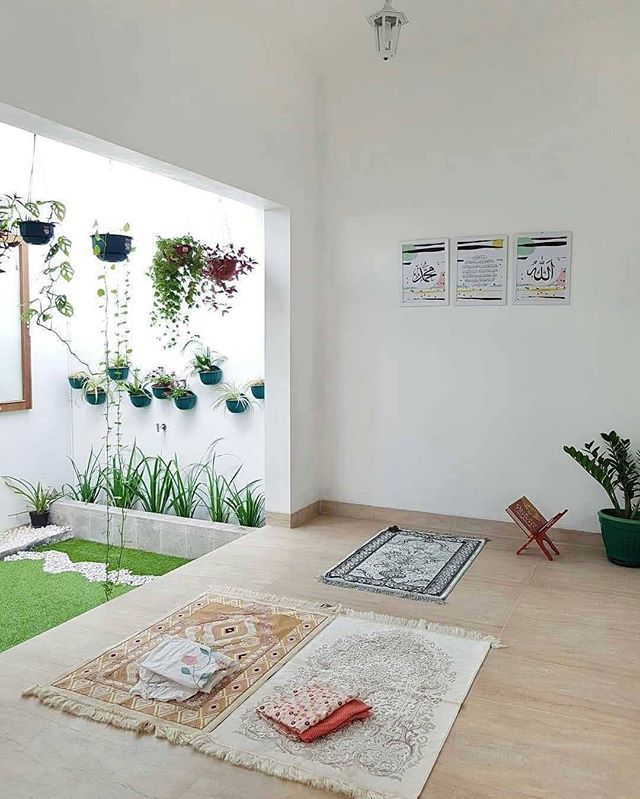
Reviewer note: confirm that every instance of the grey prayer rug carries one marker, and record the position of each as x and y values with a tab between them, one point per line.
407	563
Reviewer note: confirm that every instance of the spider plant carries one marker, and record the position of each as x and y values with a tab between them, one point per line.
89	481
122	479
248	504
38	498
214	493
234	397
185	487
95	389
155	485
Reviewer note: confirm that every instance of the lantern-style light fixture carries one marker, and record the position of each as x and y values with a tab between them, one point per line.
386	24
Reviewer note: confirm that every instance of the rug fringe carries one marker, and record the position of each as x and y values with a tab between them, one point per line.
51	697
295	603
422	624
374	589
339	609
205	745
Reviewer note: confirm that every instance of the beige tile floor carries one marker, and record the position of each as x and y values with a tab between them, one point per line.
556	714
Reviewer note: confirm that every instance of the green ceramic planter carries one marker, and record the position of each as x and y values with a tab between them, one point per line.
161	392
235	406
96	397
77	382
118	372
621	539
186	403
211	377
140	400
258	391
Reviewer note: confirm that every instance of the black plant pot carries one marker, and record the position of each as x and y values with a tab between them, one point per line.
39	519
111	247
36	232
140	400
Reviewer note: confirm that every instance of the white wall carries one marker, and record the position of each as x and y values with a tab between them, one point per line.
495	117
202	86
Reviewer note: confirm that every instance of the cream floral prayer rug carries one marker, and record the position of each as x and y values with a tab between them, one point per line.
414	674
407	563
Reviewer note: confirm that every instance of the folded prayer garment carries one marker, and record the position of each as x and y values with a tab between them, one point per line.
178	668
313	710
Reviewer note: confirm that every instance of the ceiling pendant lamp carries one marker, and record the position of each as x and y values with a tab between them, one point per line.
386	24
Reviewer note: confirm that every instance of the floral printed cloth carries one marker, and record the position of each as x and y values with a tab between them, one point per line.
313	710
178	668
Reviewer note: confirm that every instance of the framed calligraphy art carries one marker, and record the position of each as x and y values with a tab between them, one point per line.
481	270
424	272
542	269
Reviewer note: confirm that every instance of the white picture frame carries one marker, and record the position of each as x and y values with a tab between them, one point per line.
481	267
541	268
424	272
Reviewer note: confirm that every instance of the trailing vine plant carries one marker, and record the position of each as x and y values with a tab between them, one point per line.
114	294
52	303
188	274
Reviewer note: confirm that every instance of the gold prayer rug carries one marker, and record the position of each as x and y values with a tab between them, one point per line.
258	636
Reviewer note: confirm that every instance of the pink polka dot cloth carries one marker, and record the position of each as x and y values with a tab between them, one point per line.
305	707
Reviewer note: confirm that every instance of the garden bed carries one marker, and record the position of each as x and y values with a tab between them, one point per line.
152	532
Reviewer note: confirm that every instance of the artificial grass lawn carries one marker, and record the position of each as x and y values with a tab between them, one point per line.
136	560
32	601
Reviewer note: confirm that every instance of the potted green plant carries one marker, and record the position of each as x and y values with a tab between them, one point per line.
176	275
111	247
234	397
188	274
206	364
26	217
183	397
39	499
77	379
118	369
161	381
257	388
617	470
95	390
139	394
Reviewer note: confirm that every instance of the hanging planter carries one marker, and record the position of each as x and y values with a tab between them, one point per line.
35	232
189	274
95	390
118	371
234	398
95	396
184	399
111	247
205	363
211	377
137	390
77	379
239	405
141	400
257	389
162	382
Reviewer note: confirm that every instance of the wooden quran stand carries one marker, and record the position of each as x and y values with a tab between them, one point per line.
525	514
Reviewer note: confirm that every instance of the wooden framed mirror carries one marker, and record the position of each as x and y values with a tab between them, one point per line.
15	345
